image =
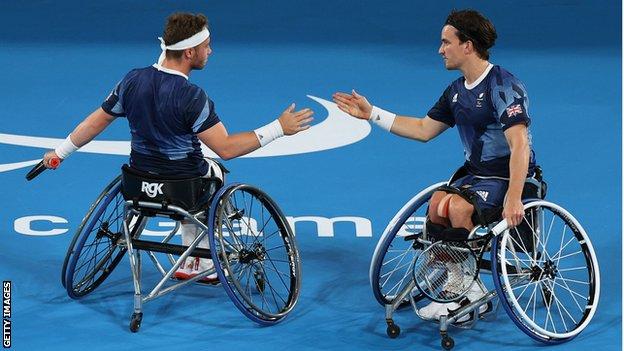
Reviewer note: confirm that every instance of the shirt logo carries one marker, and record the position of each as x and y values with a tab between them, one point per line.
514	110
480	100
455	97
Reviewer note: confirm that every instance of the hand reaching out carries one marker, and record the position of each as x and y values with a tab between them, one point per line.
354	104
293	121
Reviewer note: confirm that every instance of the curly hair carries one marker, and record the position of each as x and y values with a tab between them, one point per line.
473	26
182	26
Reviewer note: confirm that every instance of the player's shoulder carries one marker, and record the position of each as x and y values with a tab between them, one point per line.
455	86
191	90
500	76
136	74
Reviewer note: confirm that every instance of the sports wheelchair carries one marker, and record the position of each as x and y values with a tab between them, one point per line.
251	244
545	271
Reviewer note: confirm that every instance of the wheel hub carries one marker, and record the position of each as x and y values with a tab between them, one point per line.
105	231
246	256
259	251
550	269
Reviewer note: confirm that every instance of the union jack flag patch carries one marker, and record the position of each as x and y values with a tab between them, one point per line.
514	110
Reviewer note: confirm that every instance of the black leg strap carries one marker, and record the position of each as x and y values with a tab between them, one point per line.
439	232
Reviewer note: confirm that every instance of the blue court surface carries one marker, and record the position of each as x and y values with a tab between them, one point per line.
60	59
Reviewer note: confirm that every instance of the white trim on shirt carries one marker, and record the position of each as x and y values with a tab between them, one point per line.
169	70
480	79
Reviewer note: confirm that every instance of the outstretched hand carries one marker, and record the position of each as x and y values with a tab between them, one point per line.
354	104
293	122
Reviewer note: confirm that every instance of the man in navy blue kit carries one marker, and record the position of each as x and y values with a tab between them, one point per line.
169	116
489	107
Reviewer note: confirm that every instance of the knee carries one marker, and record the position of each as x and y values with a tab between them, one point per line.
434	204
458	208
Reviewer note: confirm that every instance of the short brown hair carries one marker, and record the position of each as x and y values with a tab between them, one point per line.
182	26
473	26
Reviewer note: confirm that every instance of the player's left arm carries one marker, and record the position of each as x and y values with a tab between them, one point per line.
518	140
88	129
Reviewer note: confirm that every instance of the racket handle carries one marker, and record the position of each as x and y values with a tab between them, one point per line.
40	167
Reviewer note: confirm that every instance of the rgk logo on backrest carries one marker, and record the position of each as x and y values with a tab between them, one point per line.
151	189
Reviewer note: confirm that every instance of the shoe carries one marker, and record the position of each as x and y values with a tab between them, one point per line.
434	310
475	291
473	294
195	265
184	271
203	264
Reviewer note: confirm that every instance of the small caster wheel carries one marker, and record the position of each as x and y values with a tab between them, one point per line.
447	342
135	322
393	330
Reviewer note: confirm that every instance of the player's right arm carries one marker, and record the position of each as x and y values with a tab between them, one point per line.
230	146
91	127
88	129
421	129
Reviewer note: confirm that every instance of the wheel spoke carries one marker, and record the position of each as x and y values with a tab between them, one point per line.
572	292
273	290
392	272
557	303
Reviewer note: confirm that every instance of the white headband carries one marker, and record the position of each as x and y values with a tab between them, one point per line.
184	44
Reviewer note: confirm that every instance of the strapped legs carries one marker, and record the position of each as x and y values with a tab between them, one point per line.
450	210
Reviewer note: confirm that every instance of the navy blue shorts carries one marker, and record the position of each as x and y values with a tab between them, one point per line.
490	191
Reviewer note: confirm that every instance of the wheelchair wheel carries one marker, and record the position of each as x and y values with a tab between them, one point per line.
255	253
550	289
93	253
391	266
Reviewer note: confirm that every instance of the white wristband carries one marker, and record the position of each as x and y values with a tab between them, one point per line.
269	132
66	148
382	118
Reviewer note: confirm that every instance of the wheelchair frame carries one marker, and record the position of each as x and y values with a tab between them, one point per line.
492	234
96	227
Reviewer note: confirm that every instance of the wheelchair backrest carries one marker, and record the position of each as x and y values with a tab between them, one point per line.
191	194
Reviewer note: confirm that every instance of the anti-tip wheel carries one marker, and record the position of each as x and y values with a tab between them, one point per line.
135	322
393	330
447	342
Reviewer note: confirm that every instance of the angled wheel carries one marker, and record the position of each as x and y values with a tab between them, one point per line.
93	252
550	288
391	266
447	342
393	331
255	253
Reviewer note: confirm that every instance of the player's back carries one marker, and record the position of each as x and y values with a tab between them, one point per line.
164	111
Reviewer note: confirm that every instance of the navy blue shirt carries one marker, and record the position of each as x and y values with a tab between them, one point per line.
165	112
482	112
